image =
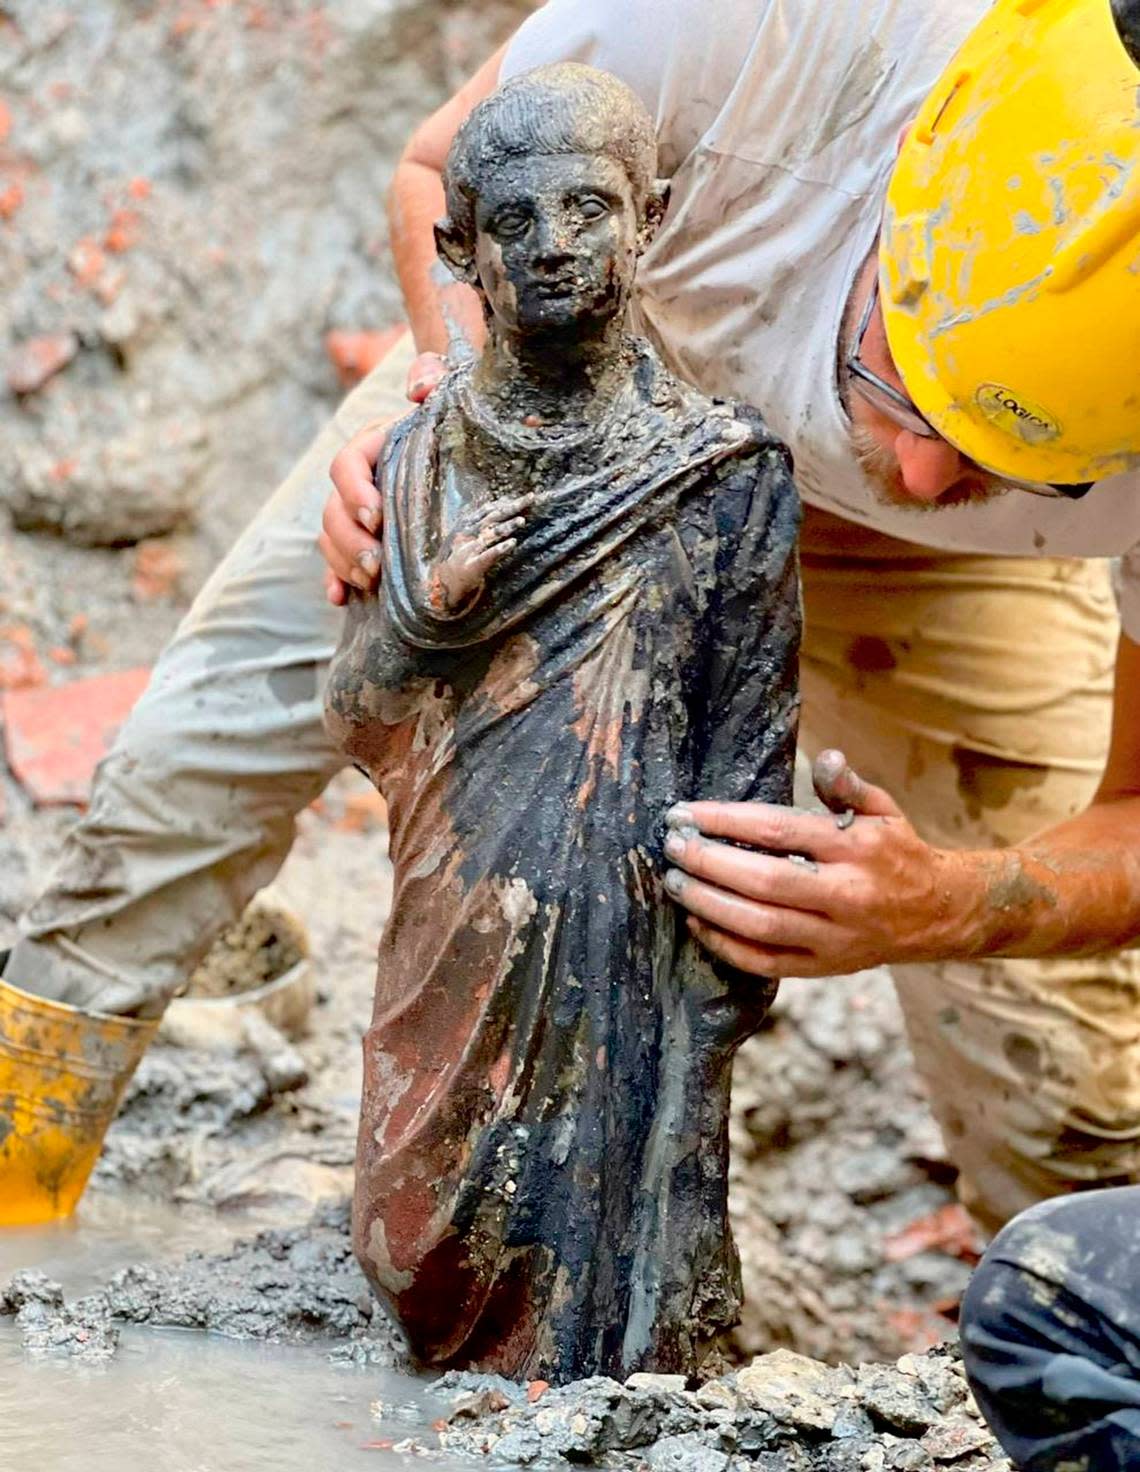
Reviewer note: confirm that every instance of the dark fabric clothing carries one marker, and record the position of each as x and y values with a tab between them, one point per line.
1051	1334
542	1159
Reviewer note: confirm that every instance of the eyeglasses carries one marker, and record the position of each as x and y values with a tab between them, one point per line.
894	405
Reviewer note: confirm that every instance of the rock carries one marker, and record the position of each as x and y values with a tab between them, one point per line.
909	1456
851	1422
39	359
86	261
139	484
55	738
685	1454
291	1286
122	322
953	1440
662	1384
478	1403
716	1395
797	1391
894	1401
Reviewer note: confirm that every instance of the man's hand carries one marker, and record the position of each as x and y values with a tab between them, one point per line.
816	894
350	536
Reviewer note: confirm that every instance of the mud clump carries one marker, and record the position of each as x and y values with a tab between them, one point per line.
783	1411
82	1329
288	1286
264	944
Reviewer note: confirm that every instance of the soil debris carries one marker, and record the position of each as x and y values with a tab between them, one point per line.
783	1411
289	1286
265	943
82	1329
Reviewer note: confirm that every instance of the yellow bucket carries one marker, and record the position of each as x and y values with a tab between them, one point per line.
62	1074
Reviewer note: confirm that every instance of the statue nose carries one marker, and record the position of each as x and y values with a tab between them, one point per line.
553	244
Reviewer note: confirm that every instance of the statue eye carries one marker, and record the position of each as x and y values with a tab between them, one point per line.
593	208
510	224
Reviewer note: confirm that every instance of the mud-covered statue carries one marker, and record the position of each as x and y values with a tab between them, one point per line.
588	611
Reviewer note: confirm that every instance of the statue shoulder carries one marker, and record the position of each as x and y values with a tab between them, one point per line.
742	423
420	428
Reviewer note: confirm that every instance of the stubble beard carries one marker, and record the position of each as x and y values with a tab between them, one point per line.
881	468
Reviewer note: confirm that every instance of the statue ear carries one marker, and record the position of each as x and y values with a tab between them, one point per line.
455	252
656	203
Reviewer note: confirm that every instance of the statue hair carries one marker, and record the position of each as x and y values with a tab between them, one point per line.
562	108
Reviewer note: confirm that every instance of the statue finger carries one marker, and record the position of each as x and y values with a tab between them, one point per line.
508	508
488	558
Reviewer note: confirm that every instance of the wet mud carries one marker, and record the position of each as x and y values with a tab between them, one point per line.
286	1286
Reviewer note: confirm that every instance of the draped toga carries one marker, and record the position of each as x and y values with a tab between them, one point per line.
541	1170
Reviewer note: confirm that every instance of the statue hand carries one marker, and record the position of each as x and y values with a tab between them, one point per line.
481	538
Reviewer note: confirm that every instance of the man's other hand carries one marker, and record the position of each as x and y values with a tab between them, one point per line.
350	537
793	893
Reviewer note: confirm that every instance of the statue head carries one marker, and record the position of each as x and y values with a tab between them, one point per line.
551	197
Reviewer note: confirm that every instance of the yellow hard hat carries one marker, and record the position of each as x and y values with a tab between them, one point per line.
1009	261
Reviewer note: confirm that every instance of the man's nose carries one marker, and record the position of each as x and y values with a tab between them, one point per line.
929	466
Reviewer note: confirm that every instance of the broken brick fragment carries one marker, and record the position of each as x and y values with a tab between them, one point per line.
86	261
55	738
158	571
363	812
355	354
950	1229
20	665
38	359
123	232
11	201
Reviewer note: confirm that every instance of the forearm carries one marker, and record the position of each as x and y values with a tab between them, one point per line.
439	307
1074	889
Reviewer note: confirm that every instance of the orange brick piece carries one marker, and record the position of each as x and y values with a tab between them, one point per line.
355	354
39	359
56	738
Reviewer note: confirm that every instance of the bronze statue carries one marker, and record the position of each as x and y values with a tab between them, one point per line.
588	611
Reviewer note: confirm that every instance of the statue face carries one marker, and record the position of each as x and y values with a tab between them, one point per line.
556	242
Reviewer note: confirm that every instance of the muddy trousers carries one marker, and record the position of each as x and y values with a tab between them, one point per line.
976	689
1051	1334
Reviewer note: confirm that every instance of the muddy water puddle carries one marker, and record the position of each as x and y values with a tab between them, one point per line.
108	1232
173	1400
176	1401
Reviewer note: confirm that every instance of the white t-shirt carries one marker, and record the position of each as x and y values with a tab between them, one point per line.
777	125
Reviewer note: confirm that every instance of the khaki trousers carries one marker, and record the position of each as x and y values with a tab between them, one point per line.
976	689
